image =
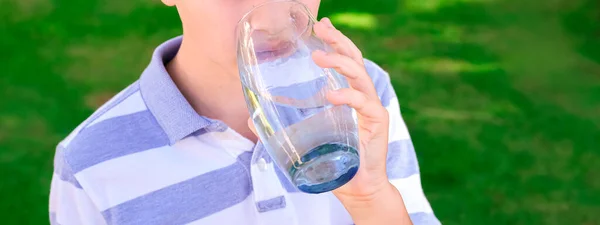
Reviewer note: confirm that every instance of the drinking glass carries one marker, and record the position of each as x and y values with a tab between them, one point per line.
314	142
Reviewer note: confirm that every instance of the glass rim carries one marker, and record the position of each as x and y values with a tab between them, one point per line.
311	17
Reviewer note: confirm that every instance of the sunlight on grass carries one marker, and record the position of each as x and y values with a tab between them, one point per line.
8	122
452	34
458	115
433	5
19	10
355	20
96	99
422	5
448	66
96	62
30	125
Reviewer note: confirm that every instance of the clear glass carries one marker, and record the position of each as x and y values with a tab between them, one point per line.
314	142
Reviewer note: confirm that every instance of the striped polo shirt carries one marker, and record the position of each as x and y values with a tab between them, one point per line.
146	157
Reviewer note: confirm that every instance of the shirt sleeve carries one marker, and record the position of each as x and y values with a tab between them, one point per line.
69	202
402	164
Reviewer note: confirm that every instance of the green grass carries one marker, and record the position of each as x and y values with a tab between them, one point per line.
502	98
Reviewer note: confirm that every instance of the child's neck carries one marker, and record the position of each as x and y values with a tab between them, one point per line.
213	90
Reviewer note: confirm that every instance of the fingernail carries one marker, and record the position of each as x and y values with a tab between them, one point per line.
330	24
327	22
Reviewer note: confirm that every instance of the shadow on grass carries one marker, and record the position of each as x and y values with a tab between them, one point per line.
584	22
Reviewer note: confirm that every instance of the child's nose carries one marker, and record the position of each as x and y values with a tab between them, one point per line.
275	23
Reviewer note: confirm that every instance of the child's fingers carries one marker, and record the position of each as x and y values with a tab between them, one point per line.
342	64
365	106
326	34
357	54
356	74
336	39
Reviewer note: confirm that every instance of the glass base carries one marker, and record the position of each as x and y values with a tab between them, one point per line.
325	168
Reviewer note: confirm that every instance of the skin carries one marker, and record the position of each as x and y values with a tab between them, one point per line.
206	64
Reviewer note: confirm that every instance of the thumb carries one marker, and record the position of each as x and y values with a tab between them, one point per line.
251	126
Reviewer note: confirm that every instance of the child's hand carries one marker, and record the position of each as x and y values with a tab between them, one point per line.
373	121
369	197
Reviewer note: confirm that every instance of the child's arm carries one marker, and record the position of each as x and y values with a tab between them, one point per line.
384	207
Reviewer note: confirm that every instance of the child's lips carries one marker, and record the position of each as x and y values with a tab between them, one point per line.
271	45
268	52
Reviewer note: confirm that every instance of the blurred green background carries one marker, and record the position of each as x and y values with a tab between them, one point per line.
502	98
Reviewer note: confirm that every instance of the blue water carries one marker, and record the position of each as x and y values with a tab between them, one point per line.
325	168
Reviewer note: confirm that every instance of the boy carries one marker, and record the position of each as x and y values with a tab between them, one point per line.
175	147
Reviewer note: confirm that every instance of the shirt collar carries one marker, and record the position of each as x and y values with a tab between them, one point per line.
164	100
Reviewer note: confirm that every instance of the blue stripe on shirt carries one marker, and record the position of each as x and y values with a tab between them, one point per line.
114	138
53	219
62	168
424	218
401	160
189	200
381	80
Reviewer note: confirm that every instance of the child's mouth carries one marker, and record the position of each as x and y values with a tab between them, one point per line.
275	51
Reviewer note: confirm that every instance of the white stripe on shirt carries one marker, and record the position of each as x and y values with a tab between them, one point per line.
132	104
72	206
137	174
397	130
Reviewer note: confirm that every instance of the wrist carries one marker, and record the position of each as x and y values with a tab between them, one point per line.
376	194
383	207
